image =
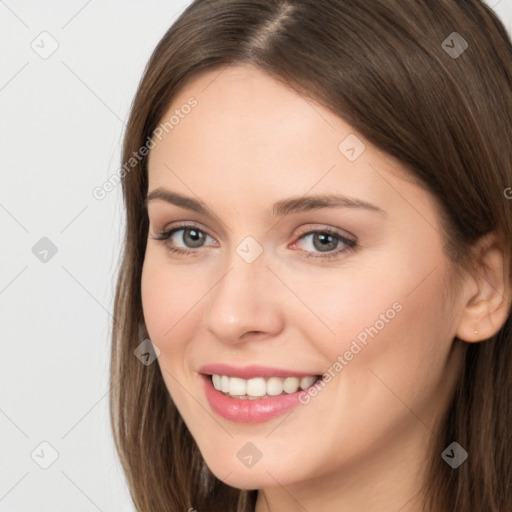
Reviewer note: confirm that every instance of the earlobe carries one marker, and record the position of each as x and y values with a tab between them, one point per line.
488	293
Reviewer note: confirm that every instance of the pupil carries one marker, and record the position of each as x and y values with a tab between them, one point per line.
325	239
195	237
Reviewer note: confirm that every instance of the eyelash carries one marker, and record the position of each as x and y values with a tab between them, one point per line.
164	235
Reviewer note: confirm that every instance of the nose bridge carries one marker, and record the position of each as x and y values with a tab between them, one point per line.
243	300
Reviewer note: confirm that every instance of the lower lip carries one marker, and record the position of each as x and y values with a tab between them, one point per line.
248	411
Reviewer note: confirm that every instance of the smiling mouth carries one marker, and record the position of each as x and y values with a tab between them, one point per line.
259	387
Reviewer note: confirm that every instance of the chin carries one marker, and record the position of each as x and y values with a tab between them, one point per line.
244	478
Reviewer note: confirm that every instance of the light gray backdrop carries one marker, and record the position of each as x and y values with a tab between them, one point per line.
68	73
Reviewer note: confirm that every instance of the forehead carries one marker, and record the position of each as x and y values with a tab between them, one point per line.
246	110
262	140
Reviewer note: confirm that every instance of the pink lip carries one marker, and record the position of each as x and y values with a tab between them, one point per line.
249	372
247	411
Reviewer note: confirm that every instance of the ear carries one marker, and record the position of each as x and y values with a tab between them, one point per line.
487	292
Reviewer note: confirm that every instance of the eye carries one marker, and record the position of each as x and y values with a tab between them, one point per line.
326	241
191	236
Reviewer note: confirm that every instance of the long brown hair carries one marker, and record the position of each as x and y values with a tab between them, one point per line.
385	67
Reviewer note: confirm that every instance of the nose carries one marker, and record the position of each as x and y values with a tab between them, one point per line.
244	304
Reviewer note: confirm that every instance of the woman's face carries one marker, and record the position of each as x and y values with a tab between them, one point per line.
282	282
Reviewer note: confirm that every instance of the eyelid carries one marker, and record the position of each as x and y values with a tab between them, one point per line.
302	231
323	227
349	241
175	226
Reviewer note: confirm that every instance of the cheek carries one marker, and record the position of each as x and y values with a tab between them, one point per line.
154	301
401	353
381	319
171	308
164	302
164	307
340	308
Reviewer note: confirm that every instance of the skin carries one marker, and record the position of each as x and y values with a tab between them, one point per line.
363	440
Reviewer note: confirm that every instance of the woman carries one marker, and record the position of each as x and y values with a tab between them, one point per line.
318	246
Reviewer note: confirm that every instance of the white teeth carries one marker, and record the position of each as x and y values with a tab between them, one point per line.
306	382
259	387
274	386
217	381
291	384
224	384
237	386
255	387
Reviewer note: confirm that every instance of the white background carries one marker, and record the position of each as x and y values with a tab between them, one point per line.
61	126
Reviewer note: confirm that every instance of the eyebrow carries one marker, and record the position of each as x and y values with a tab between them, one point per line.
280	208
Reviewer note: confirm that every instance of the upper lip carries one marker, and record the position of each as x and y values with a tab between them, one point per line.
249	372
